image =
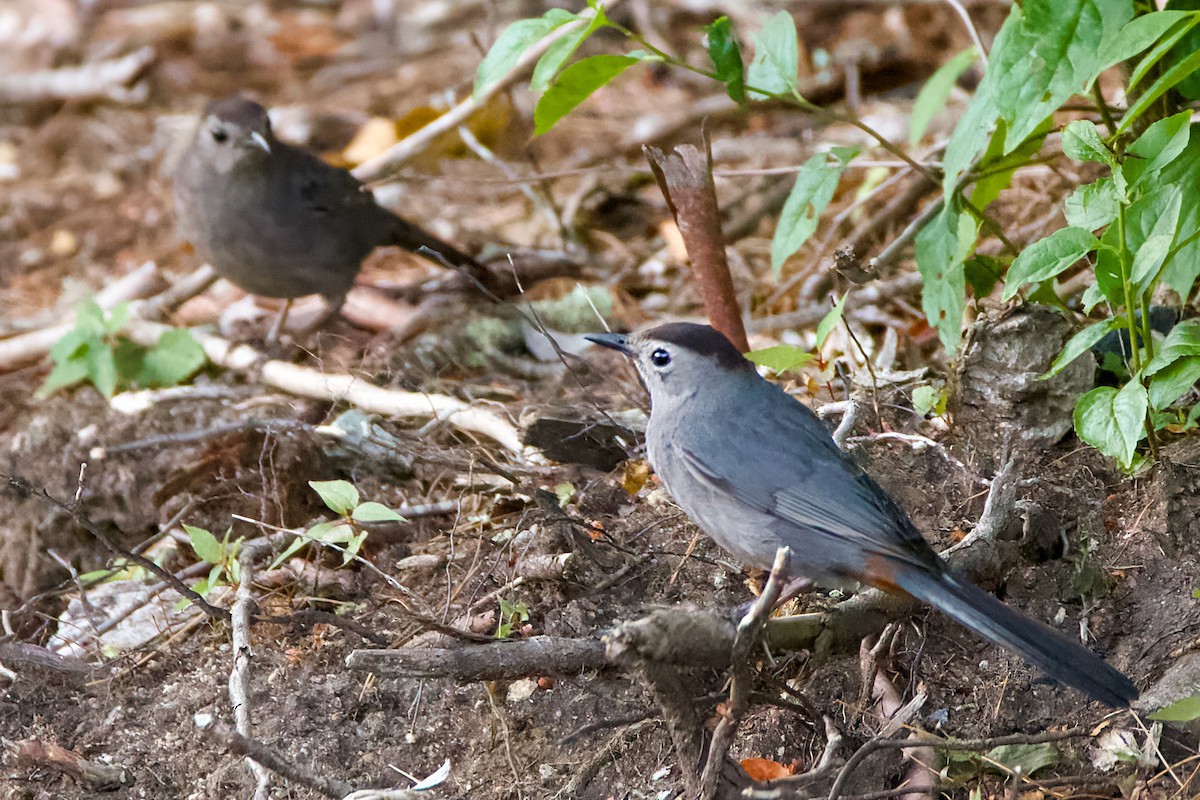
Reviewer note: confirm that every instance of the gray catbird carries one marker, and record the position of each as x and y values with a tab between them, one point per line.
757	470
275	219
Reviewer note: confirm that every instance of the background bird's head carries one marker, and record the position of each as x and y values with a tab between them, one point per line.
235	131
678	359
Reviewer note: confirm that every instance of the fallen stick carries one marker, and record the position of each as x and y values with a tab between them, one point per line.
307	382
101	80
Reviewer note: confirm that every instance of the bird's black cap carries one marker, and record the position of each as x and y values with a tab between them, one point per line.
241	111
704	340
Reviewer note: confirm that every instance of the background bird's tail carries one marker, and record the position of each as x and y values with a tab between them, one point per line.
1061	658
420	241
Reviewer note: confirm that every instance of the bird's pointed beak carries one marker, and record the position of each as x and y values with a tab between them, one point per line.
613	341
259	140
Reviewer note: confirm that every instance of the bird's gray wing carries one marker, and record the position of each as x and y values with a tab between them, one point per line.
814	490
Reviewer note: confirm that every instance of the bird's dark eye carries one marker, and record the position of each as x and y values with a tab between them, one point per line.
220	135
660	358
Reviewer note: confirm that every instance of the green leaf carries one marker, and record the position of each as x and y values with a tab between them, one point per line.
1183	341
983	273
1184	710
1112	421
1162	142
564	492
1081	142
830	320
941	248
1164	45
205	544
375	512
116	319
926	399
1173	382
1092	205
1189	87
999	162
1025	759
336	531
781	358
932	97
512	44
557	54
1081	343
65	373
1166	81
576	83
1052	54
1048	257
89	319
1137	35
340	496
102	370
1183	173
1149	258
290	551
814	188
776	62
175	357
353	546
726	57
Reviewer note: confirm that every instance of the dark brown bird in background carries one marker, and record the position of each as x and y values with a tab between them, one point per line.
279	222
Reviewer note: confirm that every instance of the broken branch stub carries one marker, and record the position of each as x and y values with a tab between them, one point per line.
685	177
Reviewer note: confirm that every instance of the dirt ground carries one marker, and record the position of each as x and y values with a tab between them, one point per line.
85	199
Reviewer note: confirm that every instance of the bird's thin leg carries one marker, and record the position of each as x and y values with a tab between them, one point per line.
277	326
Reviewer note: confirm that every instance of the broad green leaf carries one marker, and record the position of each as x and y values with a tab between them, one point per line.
1112	421
340	496
830	320
102	370
1092	205
173	359
1173	382
1048	257
557	54
1183	341
1165	44
814	188
1154	214
1053	54
926	399
576	84
726	57
1189	87
776	62
1081	142
1149	258
375	512
1162	142
353	546
1165	82
1025	759
65	373
971	134
781	358
999	162
941	248
983	273
205	544
89	318
1183	173
512	44
1137	35
1184	710
116	319
288	552
1081	343
932	97
333	532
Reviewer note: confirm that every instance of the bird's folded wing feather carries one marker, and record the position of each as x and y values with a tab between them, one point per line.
810	484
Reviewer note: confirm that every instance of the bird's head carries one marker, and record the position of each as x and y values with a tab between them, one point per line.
234	131
677	359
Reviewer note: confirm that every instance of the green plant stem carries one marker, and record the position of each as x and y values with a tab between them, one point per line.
1105	113
1127	288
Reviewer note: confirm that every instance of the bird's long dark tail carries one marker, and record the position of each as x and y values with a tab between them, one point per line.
420	241
1061	658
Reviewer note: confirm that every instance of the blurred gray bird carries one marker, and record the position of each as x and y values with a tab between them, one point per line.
276	220
757	470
